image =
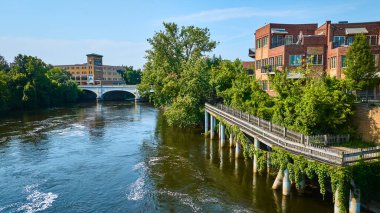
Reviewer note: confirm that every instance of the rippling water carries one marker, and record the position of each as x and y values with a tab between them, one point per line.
121	157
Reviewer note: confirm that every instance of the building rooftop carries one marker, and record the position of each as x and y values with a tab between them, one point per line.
94	54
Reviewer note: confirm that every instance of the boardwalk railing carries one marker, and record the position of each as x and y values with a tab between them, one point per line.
272	134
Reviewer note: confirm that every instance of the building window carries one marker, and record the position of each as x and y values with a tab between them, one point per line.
264	85
295	60
279	60
373	40
338	41
265	62
288	39
265	41
343	61
258	42
258	64
315	59
277	40
332	62
350	40
271	61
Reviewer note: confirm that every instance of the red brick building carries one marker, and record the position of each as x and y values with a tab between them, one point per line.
288	46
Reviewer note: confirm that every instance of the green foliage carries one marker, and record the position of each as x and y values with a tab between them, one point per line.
360	64
178	72
130	75
4	66
31	83
312	105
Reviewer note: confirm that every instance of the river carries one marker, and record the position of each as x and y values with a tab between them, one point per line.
122	157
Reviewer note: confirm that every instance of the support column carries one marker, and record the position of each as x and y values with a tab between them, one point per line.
206	122
256	145
302	185
222	136
286	183
268	162
278	181
212	119
336	201
238	150
231	140
354	201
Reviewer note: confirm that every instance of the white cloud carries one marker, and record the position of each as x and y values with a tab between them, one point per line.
60	51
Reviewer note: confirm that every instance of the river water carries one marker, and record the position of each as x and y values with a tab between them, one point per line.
122	157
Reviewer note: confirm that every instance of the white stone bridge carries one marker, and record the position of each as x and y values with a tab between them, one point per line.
101	90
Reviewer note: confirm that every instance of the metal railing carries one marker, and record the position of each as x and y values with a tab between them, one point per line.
272	134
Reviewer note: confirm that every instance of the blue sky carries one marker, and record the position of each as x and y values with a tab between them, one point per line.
63	31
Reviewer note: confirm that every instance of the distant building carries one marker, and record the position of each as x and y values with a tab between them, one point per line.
94	72
288	46
249	67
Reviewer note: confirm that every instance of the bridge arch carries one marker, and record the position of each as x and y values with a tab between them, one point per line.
118	94
89	94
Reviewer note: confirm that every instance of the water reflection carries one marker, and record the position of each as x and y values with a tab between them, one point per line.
124	157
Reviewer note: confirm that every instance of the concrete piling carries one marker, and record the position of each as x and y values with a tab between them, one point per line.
222	136
256	145
286	183
278	181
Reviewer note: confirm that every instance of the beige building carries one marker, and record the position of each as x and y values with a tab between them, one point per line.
94	72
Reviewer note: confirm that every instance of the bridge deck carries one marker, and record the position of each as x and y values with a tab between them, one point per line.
297	143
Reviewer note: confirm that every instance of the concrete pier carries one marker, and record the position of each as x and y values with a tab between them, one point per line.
212	125
302	185
231	140
336	201
268	162
354	206
238	151
222	136
278	181
206	122
256	145
286	183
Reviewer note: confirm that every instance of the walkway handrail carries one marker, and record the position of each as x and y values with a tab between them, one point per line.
272	134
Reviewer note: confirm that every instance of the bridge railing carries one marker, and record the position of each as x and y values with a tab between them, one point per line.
314	147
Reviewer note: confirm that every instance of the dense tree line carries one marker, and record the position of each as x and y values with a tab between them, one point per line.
30	83
184	78
130	75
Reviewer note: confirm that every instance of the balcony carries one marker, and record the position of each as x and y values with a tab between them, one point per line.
251	52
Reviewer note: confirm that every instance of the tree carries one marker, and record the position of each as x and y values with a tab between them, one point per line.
178	71
130	75
360	64
3	64
31	83
171	48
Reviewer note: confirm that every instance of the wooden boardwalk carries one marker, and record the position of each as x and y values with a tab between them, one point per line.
311	147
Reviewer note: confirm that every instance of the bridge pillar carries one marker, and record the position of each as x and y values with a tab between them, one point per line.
278	181
212	125
354	201
231	140
336	201
206	122
256	145
268	162
238	153
222	136
286	183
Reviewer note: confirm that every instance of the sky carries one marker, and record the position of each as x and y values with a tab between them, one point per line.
64	31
